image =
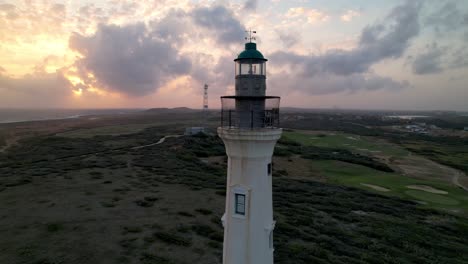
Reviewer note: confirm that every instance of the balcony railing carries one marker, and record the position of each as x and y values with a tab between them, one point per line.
249	112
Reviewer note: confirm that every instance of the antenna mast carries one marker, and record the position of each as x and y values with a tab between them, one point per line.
205	105
205	97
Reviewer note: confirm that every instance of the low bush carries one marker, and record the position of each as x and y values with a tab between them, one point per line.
173	239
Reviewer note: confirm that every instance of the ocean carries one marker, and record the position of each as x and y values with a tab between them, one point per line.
21	115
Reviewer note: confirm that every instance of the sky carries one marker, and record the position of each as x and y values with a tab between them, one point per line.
360	54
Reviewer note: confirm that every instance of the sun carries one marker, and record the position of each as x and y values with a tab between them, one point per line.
78	92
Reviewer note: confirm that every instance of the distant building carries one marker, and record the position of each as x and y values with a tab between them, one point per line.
194	130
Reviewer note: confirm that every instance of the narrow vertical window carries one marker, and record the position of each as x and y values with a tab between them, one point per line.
271	239
240	204
269	168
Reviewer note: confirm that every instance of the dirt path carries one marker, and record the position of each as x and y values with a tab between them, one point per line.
456	174
456	182
157	143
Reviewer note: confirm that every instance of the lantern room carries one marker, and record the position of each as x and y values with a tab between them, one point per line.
250	61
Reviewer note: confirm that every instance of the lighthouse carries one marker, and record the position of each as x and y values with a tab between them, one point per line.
249	130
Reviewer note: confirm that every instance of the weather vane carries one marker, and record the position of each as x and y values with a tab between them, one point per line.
250	37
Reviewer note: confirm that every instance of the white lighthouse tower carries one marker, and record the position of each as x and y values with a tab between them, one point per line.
249	130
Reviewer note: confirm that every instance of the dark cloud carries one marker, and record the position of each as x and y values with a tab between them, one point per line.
129	59
221	22
288	38
138	59
448	18
428	62
250	5
438	59
9	11
376	43
459	58
341	70
331	83
172	27
26	90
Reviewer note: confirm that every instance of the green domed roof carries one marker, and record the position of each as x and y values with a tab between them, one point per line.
251	52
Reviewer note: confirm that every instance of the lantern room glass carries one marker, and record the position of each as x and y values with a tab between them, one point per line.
250	68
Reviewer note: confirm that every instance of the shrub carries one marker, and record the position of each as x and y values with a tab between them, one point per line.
187	214
54	227
173	239
204	211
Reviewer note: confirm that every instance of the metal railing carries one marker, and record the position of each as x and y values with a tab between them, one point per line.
250	119
249	112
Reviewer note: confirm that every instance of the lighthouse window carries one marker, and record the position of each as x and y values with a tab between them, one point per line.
271	239
240	204
245	69
256	69
250	68
269	168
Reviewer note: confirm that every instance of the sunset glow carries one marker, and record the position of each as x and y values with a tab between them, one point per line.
134	54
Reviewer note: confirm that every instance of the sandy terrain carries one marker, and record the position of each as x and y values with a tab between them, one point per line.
426	188
375	187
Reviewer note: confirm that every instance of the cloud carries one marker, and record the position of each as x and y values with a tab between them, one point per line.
459	58
250	5
311	15
435	59
349	15
448	18
376	43
172	27
428	62
9	11
288	38
128	59
221	22
332	83
340	70
34	90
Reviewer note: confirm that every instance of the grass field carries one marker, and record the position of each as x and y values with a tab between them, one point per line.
347	141
456	200
452	155
413	170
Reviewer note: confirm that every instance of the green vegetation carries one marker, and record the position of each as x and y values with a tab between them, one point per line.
453	154
323	223
2	139
132	229
355	175
54	227
338	221
350	142
433	198
344	167
148	258
173	239
106	131
204	211
288	147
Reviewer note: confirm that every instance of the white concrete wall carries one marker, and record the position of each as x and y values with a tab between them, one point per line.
247	238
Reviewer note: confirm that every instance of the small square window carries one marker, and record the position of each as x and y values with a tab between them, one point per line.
240	204
269	168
